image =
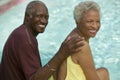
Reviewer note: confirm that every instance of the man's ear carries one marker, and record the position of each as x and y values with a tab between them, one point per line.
28	17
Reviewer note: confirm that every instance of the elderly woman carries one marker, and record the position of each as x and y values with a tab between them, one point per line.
80	66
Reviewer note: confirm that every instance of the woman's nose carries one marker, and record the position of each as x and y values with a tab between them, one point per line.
95	25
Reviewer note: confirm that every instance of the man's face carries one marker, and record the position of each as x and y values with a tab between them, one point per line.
90	23
39	19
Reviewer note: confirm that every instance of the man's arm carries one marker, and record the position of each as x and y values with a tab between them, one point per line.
69	46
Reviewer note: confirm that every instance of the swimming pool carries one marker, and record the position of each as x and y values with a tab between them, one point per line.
105	46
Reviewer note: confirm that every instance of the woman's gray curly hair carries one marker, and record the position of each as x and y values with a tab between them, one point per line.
82	7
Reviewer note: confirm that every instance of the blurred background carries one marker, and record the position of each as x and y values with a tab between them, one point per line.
105	46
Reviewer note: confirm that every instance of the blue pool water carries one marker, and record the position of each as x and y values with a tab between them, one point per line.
105	46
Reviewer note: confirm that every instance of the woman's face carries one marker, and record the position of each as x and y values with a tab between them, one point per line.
89	23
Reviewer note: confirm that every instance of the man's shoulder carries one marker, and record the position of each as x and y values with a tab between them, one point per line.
19	32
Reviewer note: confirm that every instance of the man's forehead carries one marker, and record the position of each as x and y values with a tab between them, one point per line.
40	6
41	10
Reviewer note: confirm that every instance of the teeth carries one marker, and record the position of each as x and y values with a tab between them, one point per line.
41	26
92	30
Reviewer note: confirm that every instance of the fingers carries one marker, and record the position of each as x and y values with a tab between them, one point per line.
74	43
74	39
68	38
76	47
78	44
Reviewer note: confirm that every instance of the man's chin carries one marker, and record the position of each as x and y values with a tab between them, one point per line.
92	36
41	31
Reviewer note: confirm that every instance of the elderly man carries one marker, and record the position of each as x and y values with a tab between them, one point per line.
21	60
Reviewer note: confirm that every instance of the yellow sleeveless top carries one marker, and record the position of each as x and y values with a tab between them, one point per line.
51	78
74	71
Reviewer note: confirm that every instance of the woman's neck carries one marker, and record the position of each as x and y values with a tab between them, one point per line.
81	34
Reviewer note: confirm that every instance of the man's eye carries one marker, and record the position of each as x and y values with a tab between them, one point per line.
46	17
40	16
89	21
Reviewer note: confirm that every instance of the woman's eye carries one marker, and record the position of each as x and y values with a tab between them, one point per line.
98	21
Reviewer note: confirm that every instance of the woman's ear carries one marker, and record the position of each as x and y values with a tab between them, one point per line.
78	24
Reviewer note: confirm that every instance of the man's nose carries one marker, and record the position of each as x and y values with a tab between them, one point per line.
44	20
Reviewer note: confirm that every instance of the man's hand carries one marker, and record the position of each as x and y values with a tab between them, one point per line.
72	44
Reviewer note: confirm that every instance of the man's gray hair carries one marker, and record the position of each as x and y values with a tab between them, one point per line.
82	7
30	7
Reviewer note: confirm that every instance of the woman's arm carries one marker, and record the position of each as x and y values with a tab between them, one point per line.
85	60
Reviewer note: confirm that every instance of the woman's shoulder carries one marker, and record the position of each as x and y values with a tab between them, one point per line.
85	50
